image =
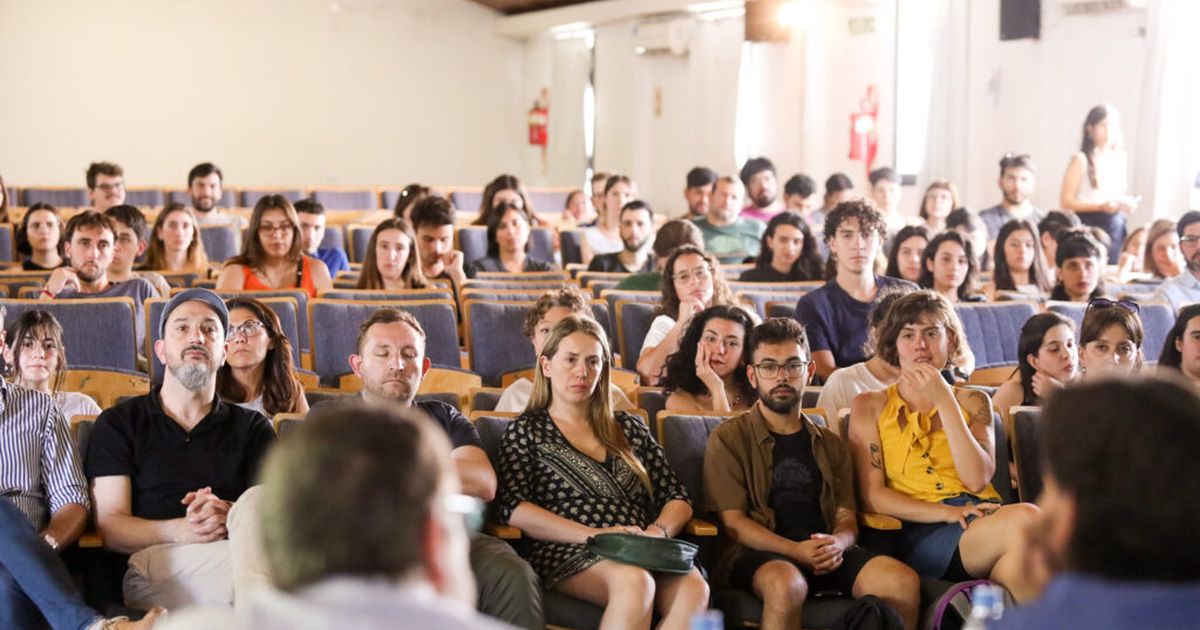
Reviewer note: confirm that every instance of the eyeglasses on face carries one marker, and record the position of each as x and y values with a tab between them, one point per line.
699	273
770	369
1101	302
246	329
271	228
1190	240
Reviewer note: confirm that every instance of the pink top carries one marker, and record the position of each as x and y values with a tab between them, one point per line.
762	214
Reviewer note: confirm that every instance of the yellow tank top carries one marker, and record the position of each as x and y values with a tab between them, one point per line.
917	461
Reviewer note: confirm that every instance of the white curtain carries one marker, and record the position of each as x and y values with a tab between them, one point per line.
1166	152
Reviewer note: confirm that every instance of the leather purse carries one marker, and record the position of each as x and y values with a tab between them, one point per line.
665	555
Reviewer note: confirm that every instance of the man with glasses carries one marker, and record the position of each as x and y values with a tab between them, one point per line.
106	185
835	315
91	245
165	468
400	564
1184	288
783	488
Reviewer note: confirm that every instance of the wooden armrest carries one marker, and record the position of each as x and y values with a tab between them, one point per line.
878	521
700	527
503	532
91	540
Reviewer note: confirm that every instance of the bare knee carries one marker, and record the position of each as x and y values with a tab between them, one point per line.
631	585
781	584
885	576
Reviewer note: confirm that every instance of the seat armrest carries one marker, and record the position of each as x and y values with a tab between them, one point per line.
700	527
91	539
503	532
878	521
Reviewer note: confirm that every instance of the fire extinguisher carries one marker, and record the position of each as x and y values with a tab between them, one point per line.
538	129
864	141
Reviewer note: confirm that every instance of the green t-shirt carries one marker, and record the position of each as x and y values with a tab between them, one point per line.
650	281
732	243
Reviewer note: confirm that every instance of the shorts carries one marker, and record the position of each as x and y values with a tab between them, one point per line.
839	580
929	548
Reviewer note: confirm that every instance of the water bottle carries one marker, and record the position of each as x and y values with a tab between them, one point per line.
987	604
708	620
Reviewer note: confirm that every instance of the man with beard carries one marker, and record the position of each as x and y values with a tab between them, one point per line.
204	187
1184	288
165	468
637	228
1118	537
730	237
783	487
762	190
1018	179
698	192
391	362
91	238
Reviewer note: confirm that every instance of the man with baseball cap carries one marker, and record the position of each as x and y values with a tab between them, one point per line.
165	468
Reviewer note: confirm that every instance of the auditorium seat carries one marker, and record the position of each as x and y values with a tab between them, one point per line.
359	236
612	296
99	333
548	201
781	309
1026	447
569	244
633	322
472	241
299	296
8	251
346	198
220	242
228	197
381	295
106	386
250	196
484	398
334	238
993	330
494	341
334	332
61	197
1157	320
467	202
501	295
760	299
145	197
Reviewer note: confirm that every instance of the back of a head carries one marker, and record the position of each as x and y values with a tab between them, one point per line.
309	206
1124	451
1056	221
130	217
432	211
675	233
349	493
837	183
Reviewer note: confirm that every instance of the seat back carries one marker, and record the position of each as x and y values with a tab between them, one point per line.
299	296
250	196
358	237
494	341
612	296
65	197
388	296
467	201
1071	310
1157	320
471	240
569	244
228	197
220	242
145	197
548	201
484	398
684	439
653	400
633	322
106	386
8	252
334	238
1027	451
99	333
346	199
993	330
285	422
774	287
541	243
334	332
761	299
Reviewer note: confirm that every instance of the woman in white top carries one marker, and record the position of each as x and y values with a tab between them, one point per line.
1096	182
605	236
871	375
554	305
39	362
692	282
258	373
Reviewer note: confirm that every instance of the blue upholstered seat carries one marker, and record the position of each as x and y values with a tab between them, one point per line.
335	332
60	197
99	333
494	340
250	196
362	199
633	322
220	242
993	330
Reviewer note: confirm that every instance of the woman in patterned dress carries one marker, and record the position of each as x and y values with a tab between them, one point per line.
570	469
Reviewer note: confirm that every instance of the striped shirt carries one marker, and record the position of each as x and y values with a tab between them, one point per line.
39	466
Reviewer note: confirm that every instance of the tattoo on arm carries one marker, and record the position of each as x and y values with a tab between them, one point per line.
876	456
982	416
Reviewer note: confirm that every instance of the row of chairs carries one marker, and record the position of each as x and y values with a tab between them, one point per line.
333	198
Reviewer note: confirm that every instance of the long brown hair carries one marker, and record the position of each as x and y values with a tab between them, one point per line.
28	326
412	275
156	253
670	300
502	182
281	386
600	411
3	201
253	253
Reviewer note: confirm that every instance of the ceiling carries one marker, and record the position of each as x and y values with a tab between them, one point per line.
512	7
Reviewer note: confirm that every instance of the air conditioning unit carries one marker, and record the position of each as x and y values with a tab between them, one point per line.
664	37
1091	7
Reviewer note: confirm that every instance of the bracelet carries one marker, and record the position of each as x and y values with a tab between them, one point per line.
666	534
46	291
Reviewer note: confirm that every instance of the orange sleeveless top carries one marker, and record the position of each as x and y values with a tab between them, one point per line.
251	282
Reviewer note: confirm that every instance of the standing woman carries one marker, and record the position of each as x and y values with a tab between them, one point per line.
39	361
948	267
708	372
789	252
605	236
508	228
392	263
1095	185
1020	266
175	242
39	239
272	257
258	373
505	189
570	468
908	250
941	198
924	453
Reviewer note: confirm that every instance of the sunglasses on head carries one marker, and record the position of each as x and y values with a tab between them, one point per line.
1128	305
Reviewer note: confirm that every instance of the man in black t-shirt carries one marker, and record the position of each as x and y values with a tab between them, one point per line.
165	468
637	232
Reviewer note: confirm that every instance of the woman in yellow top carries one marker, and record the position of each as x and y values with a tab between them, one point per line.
924	453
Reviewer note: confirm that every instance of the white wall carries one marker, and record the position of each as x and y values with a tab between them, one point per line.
287	92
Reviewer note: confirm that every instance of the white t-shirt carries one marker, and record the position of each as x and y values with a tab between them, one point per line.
601	244
844	384
515	397
73	404
659	329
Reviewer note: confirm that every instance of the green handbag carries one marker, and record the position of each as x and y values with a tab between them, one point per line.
665	555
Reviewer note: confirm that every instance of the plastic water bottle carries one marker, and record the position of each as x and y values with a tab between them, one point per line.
708	620
987	604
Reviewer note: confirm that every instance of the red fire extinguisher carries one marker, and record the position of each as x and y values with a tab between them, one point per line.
538	128
864	140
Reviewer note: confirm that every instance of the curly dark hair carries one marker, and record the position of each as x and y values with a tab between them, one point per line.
670	299
679	372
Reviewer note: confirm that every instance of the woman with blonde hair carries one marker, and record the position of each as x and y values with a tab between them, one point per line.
175	242
272	257
571	468
391	263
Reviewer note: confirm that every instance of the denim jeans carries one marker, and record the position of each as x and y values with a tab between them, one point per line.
35	587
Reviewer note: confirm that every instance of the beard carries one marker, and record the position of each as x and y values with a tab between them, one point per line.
781	399
401	392
635	246
1015	198
763	199
1193	263
203	204
89	277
